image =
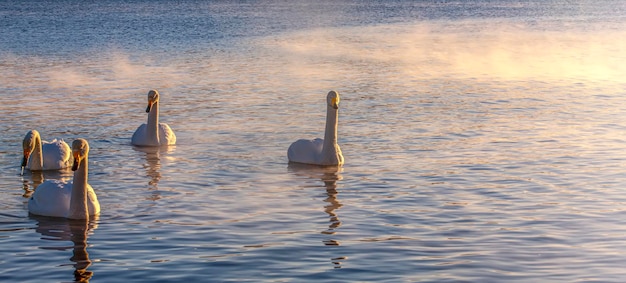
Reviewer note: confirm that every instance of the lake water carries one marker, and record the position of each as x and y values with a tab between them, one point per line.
485	140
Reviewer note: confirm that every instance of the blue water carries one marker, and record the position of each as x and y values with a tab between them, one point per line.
484	140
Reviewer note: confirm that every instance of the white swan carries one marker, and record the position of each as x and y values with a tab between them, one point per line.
153	133
42	155
74	200
320	151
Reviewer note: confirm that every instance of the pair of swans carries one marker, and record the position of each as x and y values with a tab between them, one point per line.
55	155
323	152
77	200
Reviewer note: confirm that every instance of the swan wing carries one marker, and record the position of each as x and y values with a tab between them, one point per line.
51	198
305	151
166	135
56	154
140	137
92	201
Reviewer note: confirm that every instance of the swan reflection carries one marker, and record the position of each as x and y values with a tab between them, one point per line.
330	182
152	166
153	162
76	231
329	175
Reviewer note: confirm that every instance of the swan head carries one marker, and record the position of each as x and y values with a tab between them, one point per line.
28	144
333	99
80	149
153	97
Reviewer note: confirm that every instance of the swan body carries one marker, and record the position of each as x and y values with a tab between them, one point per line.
53	198
165	134
74	200
320	151
153	133
43	155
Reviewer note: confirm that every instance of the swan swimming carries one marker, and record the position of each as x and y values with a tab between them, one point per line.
153	133
320	151
42	155
74	200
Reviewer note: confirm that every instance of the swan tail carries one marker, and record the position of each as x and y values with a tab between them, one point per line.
56	155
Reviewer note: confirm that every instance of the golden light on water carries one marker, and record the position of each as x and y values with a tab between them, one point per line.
473	144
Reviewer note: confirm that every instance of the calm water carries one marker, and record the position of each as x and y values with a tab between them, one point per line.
485	140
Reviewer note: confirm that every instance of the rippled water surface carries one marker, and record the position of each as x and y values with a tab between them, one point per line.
484	140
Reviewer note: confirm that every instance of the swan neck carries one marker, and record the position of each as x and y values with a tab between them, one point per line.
36	157
78	200
153	123
79	229
330	135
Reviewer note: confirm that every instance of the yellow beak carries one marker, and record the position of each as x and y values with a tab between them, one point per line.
150	102
25	159
76	160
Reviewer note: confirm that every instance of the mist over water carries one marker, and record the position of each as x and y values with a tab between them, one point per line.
484	140
466	49
405	53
